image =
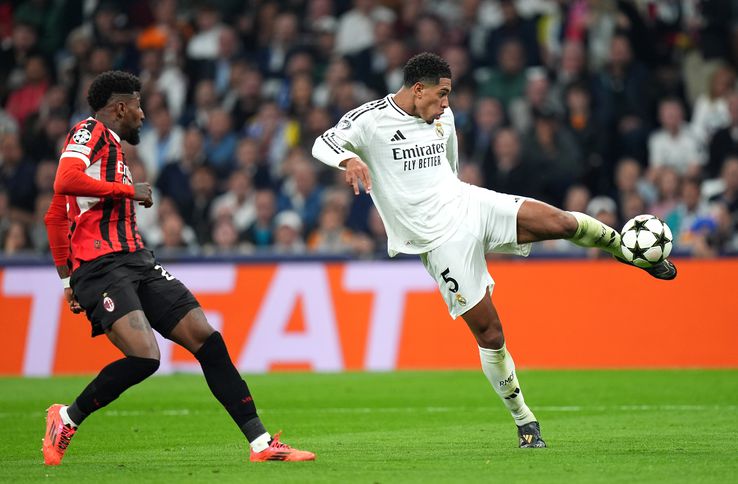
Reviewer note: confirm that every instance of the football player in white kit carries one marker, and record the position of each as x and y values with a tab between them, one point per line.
403	150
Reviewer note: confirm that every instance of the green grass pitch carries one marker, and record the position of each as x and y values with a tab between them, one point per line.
601	426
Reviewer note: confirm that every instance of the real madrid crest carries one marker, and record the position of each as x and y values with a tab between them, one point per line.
439	129
461	299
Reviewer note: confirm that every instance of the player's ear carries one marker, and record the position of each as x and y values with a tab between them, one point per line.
418	89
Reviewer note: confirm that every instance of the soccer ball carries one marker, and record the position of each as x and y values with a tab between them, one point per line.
645	240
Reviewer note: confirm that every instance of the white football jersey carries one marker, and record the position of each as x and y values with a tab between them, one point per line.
413	166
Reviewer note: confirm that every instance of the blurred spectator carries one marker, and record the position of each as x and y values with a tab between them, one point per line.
571	69
537	98
249	160
687	212
725	141
245	101
14	53
260	233
26	99
589	136
711	108
275	134
555	153
668	183
301	193
174	178
17	176
630	181
205	101
204	45
489	117
729	196
620	93
238	202
674	145
507	81
176	237
156	75
506	171
355	30
225	239
288	234
515	27
16	240
220	143
272	58
471	173
203	183
331	235
161	144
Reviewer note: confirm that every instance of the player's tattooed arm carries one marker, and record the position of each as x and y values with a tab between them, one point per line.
357	171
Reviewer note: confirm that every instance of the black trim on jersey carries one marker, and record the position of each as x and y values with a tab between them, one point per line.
331	144
134	226
108	202
121	227
366	110
396	107
332	139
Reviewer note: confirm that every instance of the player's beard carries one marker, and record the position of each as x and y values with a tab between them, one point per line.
134	137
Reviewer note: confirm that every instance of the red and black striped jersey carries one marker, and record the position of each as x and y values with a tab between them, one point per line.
99	205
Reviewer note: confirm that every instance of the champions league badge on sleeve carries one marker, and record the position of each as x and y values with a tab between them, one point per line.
343	124
82	136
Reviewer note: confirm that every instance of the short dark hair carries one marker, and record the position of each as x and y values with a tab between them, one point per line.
427	68
109	83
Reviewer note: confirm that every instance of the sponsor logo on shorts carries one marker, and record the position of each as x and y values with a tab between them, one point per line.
108	303
82	136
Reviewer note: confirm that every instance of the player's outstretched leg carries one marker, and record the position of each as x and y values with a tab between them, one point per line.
195	333
593	233
499	368
540	221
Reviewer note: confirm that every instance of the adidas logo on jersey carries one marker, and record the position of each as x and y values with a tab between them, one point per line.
398	136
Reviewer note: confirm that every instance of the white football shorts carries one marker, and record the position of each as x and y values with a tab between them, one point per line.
459	264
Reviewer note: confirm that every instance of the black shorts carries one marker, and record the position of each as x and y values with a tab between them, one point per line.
113	285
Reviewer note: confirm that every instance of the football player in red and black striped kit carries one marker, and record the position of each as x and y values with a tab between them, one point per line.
126	294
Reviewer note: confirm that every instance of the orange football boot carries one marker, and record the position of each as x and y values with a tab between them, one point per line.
57	437
281	452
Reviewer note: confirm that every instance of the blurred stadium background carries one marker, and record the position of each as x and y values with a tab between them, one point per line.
614	108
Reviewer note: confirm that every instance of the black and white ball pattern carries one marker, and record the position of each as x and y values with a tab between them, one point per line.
645	240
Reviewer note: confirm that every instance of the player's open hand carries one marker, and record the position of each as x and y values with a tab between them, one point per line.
142	194
357	171
72	301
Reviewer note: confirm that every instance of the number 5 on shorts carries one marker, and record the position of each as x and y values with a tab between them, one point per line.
451	280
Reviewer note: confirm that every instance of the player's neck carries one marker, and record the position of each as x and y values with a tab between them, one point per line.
404	100
110	122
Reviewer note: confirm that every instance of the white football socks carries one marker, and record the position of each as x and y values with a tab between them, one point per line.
261	442
499	368
65	417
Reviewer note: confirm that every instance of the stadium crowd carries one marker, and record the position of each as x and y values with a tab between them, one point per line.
613	108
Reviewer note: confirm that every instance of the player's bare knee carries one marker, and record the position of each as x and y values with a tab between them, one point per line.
567	224
491	338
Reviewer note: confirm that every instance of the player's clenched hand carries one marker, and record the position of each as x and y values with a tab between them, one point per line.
142	194
72	301
357	171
